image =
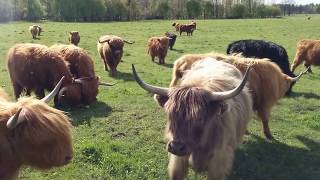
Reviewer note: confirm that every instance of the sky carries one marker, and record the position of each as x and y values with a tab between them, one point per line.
296	1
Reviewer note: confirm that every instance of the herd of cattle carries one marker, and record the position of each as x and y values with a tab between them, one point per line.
209	102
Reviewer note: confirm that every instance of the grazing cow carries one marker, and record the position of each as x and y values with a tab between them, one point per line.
33	134
110	48
177	26
308	51
82	68
33	67
188	28
158	47
267	83
34	31
172	39
207	117
74	37
263	49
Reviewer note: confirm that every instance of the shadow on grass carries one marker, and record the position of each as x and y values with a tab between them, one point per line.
177	50
260	159
307	95
84	115
124	76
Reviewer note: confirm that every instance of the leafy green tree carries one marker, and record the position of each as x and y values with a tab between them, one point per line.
193	8
318	9
238	11
163	9
208	10
34	10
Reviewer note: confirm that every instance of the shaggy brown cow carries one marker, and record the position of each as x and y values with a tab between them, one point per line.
34	134
267	83
308	51
207	117
34	31
110	48
158	47
82	68
74	37
32	67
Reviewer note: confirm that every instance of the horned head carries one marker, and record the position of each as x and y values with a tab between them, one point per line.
190	109
39	134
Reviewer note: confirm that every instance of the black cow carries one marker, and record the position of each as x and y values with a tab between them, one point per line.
172	39
263	49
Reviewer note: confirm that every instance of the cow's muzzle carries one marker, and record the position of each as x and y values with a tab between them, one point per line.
177	148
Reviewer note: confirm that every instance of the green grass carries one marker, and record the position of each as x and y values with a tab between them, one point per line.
121	135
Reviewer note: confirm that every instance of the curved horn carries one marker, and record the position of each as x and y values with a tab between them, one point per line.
79	80
218	96
53	93
153	89
299	76
107	84
103	41
14	120
129	42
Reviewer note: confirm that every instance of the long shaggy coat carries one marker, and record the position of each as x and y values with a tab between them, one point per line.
42	140
266	81
74	37
158	47
110	51
308	51
212	128
81	66
262	49
33	67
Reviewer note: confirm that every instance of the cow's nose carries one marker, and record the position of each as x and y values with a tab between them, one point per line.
177	148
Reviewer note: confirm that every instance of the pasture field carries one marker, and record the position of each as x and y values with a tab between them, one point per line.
121	135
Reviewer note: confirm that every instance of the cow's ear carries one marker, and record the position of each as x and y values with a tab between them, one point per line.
70	33
159	39
160	99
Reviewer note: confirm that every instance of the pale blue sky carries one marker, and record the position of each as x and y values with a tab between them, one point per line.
307	1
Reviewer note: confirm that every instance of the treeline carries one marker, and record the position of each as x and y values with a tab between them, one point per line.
117	10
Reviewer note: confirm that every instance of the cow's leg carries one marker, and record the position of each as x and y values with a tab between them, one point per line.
17	90
39	93
264	116
152	58
297	60
178	167
28	92
105	66
220	164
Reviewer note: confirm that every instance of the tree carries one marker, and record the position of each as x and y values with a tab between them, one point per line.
163	9
34	10
6	10
238	11
193	8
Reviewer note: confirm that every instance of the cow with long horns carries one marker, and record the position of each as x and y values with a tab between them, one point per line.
33	67
110	48
33	134
81	67
207	117
266	82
